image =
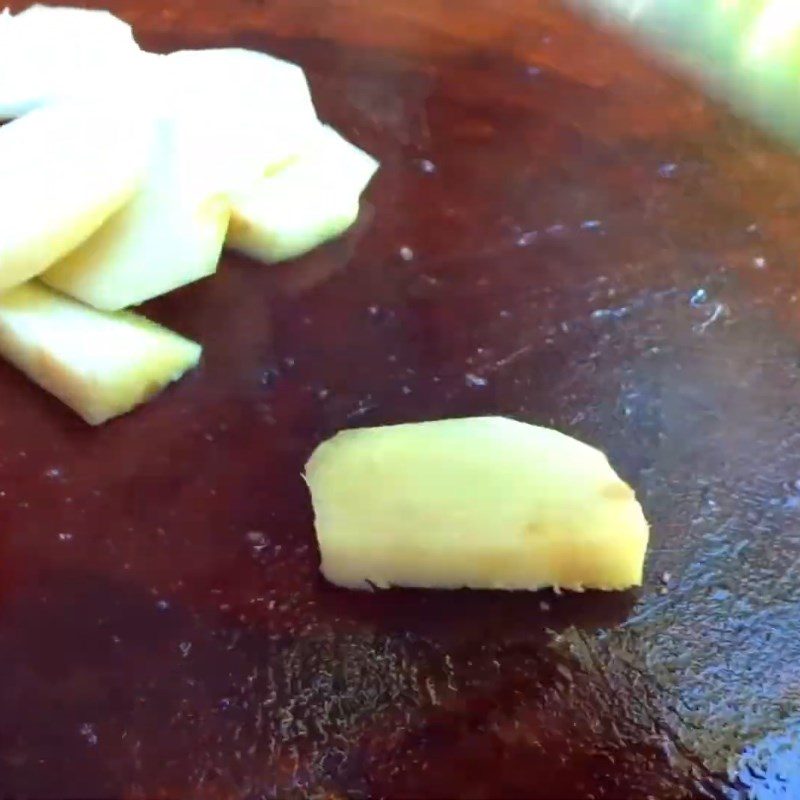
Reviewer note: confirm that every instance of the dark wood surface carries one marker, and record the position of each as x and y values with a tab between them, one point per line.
561	233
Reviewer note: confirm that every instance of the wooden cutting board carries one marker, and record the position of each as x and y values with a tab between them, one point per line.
560	233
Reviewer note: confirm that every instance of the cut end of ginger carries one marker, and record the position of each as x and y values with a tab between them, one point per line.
481	503
99	364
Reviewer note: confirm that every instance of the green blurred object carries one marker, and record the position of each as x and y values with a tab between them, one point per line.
745	52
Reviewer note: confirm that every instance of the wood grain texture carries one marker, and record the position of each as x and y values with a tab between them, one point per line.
561	233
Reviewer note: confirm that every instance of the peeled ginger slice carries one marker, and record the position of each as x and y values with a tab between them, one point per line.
99	364
64	170
483	503
222	118
313	199
170	233
251	112
50	53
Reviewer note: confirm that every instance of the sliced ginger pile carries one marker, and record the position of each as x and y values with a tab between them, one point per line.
124	174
